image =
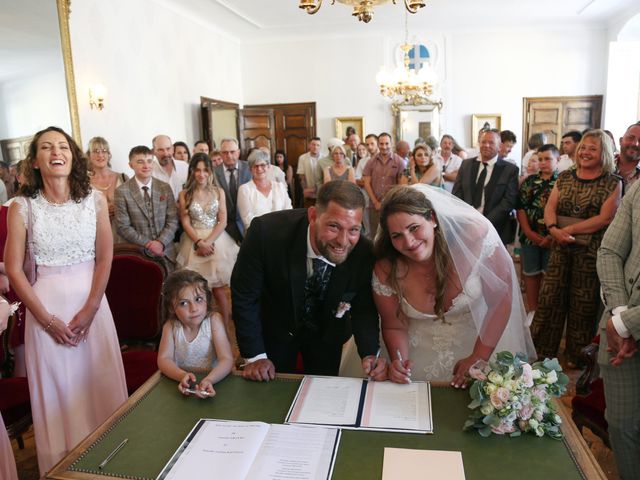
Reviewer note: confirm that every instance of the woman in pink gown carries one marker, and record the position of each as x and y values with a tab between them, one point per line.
74	365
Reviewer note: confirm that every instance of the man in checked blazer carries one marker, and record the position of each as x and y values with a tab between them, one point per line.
146	212
619	271
493	193
232	172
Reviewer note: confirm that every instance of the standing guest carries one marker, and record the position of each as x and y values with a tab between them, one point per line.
194	337
165	168
146	210
449	162
339	170
533	167
181	152
619	260
7	462
352	143
381	174
629	157
216	158
302	284
490	184
508	140
232	173
74	365
205	246
371	141
261	195
422	168
327	161
535	142
7	182
307	164
582	203
201	147
103	178
363	159
458	150
403	149
361	153
534	236
568	147
280	161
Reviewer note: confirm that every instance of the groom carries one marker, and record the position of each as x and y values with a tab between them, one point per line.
302	284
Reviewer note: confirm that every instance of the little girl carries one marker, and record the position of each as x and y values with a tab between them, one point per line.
194	338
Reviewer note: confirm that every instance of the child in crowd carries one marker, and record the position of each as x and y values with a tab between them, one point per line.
194	339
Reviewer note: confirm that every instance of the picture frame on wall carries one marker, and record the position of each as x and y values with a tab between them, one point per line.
342	123
484	120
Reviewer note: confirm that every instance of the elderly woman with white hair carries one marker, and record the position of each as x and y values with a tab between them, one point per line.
261	195
339	170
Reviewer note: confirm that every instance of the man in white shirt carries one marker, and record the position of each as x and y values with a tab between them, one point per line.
165	168
568	147
448	161
307	164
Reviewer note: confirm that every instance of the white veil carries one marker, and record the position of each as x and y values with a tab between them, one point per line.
486	272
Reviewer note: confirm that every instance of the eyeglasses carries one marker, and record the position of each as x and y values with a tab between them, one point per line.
98	151
228	152
260	165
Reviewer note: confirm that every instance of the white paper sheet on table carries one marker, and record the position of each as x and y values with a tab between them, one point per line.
409	464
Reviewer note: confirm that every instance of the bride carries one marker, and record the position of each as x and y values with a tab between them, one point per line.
445	287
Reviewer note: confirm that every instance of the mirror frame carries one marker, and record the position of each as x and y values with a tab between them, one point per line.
397	110
64	10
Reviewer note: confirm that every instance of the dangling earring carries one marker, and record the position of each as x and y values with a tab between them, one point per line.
435	225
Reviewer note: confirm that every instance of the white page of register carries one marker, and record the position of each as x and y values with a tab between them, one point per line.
328	401
397	406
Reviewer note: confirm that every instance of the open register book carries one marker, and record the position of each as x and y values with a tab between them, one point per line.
236	450
362	404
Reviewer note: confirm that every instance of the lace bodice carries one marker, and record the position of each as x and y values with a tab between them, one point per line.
62	234
204	217
197	355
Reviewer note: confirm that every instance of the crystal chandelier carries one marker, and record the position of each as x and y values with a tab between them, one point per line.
362	9
406	86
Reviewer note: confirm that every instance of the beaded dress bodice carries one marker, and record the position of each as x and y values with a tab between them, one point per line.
204	216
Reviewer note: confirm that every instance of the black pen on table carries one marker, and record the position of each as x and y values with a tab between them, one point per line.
113	454
375	361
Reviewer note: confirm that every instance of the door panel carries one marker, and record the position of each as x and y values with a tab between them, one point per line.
257	129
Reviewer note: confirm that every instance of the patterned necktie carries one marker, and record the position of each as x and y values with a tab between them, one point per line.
233	184
147	198
479	187
315	289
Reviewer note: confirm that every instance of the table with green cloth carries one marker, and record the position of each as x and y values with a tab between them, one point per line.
157	418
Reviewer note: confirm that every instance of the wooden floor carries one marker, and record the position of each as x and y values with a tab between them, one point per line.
27	463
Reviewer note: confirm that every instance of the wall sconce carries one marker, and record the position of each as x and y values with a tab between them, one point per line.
96	96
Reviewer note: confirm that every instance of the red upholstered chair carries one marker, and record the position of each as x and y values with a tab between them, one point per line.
133	292
588	405
15	404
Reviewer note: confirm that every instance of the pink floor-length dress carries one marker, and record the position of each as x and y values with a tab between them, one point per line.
7	462
73	389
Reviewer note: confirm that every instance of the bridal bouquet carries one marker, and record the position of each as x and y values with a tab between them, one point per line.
511	396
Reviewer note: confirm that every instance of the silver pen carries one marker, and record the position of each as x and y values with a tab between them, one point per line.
399	355
375	361
113	454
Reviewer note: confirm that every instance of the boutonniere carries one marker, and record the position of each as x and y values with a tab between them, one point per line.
13	308
343	307
163	198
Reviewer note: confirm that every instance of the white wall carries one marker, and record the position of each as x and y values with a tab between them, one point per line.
155	63
483	72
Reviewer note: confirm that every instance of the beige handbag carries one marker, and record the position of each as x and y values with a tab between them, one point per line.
565	221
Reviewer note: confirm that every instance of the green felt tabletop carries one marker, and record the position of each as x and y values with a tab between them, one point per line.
158	423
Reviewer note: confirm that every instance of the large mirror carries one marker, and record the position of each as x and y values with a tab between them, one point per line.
37	86
413	122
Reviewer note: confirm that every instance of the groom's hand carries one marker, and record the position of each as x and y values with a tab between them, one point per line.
375	369
261	370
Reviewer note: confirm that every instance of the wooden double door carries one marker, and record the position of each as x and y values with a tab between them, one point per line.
556	116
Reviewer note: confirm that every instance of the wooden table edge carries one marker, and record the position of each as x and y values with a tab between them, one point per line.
574	440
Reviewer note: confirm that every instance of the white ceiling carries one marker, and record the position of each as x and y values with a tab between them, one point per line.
29	38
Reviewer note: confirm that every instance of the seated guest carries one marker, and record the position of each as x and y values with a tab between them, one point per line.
146	209
102	177
422	168
194	338
260	195
216	158
7	463
181	152
582	203
201	147
534	236
281	162
205	246
339	170
302	284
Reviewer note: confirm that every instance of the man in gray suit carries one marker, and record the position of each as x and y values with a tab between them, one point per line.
146	209
490	185
230	175
619	271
